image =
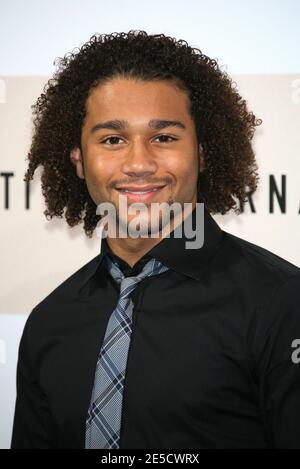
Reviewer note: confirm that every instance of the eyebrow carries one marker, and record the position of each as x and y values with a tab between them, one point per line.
155	124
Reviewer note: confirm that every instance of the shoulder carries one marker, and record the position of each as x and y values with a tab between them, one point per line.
63	298
271	286
257	267
271	289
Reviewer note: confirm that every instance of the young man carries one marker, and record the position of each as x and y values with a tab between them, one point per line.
152	344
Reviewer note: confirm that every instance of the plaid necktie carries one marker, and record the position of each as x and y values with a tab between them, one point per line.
104	413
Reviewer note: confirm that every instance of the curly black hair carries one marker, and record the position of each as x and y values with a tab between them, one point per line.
224	126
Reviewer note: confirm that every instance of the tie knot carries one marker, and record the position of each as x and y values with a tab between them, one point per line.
128	284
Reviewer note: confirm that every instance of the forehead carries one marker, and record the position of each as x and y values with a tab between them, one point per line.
129	96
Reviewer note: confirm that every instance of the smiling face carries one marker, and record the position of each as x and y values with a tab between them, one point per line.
138	136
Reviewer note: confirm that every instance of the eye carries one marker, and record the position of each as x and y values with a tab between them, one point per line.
166	137
114	139
111	138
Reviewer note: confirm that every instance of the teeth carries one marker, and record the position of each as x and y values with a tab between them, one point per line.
139	192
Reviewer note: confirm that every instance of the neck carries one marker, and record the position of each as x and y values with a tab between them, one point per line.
133	249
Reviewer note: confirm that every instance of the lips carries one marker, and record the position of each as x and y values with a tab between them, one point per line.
147	188
141	193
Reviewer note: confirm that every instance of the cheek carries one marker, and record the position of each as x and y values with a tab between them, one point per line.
98	175
183	168
99	172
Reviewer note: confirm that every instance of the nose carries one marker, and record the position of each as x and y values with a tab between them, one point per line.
139	161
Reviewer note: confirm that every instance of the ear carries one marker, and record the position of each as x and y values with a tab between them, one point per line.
201	159
77	160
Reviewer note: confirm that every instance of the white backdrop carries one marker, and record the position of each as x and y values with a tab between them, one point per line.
256	43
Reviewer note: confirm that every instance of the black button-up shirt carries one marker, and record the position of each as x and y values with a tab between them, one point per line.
213	360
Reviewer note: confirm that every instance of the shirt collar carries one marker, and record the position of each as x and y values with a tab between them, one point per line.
172	251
